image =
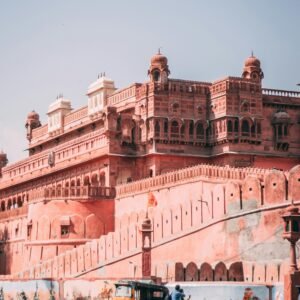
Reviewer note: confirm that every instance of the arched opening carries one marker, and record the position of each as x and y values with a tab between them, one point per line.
279	131
174	129
133	132
253	130
236	272
245	128
191	129
86	180
229	126
182	130
102	179
14	203
2	206
166	128
157	129
19	202
156	75
258	128
73	188
285	130
9	204
67	186
200	131
94	180
236	126
78	187
58	190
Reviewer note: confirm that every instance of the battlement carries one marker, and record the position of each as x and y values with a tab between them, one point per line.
281	93
190	174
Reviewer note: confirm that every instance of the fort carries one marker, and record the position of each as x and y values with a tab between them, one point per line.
221	160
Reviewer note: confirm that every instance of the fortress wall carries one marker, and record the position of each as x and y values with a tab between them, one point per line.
227	221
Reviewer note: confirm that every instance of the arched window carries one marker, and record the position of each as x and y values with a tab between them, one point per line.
253	130
157	129
200	131
102	179
166	126
156	75
9	204
174	128
236	126
245	128
2	206
258	128
191	128
19	203
182	129
280	131
229	126
285	131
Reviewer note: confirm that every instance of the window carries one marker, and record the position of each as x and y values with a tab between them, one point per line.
157	128
200	131
174	128
229	126
65	230
29	231
156	75
245	127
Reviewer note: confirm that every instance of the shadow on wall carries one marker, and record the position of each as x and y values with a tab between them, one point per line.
206	273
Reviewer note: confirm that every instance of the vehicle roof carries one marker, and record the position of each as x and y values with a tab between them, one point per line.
141	284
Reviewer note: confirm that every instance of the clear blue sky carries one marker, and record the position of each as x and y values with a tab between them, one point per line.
59	46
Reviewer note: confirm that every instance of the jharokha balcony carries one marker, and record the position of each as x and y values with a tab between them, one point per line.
80	192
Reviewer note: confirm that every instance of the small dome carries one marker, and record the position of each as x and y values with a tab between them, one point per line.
252	61
281	117
159	59
33	115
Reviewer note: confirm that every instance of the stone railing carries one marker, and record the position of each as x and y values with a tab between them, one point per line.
76	115
39	132
14	212
189	173
281	93
81	192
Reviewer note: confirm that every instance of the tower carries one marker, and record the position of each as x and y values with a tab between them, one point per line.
3	160
32	122
252	69
159	69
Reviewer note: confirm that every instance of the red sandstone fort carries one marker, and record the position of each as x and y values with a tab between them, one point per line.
218	160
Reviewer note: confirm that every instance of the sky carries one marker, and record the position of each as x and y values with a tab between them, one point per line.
60	46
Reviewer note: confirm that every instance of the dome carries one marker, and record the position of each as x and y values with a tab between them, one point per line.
159	59
281	117
33	115
252	61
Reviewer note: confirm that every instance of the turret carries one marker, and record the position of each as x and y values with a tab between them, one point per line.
252	69
98	92
159	69
32	122
56	113
3	161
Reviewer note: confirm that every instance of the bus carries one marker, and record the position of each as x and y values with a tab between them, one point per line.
138	290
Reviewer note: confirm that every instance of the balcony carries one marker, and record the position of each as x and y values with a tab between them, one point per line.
14	212
80	193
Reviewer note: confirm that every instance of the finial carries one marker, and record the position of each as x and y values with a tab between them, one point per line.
103	74
252	53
